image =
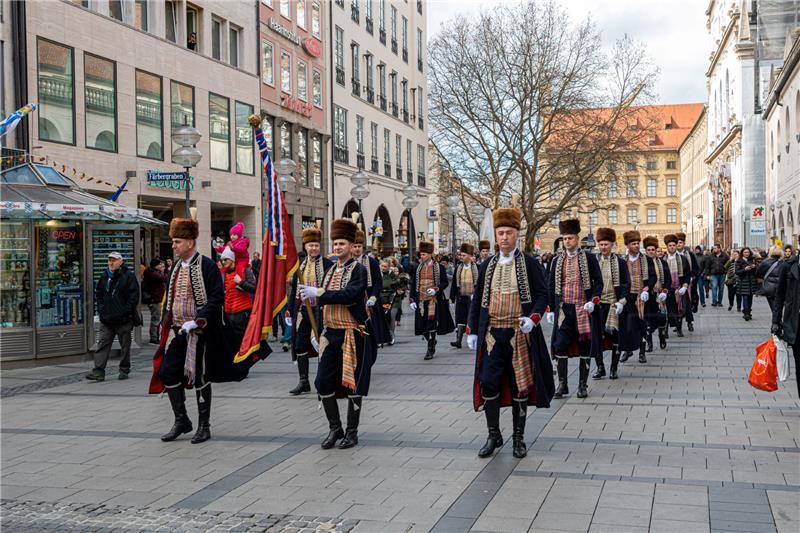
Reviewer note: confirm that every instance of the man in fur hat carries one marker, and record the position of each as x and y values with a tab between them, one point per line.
642	277
616	286
427	299
694	266
461	290
191	328
374	287
679	303
346	358
656	310
512	367
483	252
576	283
311	272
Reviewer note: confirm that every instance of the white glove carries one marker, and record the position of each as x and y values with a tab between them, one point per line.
413	306
288	321
644	296
431	292
525	324
682	291
307	292
551	318
662	297
618	308
472	342
189	326
371	301
314	343
588	307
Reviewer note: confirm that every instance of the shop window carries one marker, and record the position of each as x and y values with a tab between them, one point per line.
302	156
15	282
316	154
100	94
244	140
59	267
56	97
181	107
219	132
267	63
149	124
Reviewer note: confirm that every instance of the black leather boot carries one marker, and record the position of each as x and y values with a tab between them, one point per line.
690	326
626	356
331	407
600	373
353	413
519	411
431	346
642	350
495	438
459	337
203	432
679	329
302	368
649	341
428	354
562	389
177	398
662	338
614	364
583	377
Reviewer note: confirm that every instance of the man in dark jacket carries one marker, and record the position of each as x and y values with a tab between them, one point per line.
427	299
154	284
117	295
786	310
703	259
716	270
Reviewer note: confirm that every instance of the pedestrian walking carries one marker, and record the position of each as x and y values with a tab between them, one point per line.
380	334
642	280
694	272
616	286
483	251
299	314
255	264
746	285
512	366
788	252
730	282
679	303
391	301
154	285
717	272
462	288
703	276
427	299
575	285
346	358
786	311
768	274
117	297
655	310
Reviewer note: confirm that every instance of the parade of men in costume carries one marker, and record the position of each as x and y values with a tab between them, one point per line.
427	299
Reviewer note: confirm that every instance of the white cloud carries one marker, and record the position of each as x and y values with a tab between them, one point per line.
674	32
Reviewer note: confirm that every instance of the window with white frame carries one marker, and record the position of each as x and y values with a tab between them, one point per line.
301	13
672	187
652	215
235	35
398	145
592	218
373	132
302	81
613	217
612	189
360	135
633	188
316	20
652	187
286	72
267	63
285	9
672	215
387	147
317	88
633	215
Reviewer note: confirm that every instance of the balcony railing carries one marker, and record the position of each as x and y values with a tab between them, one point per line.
400	173
405	55
360	160
101	100
382	36
421	180
370	95
369	25
356	87
340	76
342	155
374	164
405	116
394	46
421	123
383	102
394	109
387	170
354	13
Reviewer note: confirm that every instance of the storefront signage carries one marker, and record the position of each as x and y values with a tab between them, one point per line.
72	208
169	180
312	47
21	206
758	221
298	106
64	235
433	214
275	26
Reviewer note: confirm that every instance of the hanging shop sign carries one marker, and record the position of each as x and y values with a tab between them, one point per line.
294	104
312	47
284	32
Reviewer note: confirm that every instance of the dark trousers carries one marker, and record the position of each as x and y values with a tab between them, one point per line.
105	338
732	296
497	365
567	335
329	370
747	303
302	338
171	371
796	353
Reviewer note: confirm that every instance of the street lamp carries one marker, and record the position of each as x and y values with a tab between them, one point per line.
360	192
186	155
453	202
478	214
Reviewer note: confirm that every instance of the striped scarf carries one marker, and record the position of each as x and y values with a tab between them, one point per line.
427	281
505	308
184	310
608	295
337	316
659	282
675	263
572	293
636	268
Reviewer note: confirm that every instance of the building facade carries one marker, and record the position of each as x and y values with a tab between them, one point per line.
379	111
782	117
695	195
295	101
645	194
106	111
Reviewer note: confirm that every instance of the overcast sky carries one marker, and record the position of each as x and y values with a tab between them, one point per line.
673	30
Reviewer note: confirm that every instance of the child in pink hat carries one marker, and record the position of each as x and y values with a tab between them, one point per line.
240	246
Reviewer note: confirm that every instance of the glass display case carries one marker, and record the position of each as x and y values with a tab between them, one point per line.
15	272
59	274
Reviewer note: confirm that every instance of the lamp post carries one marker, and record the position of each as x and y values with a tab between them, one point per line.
410	202
186	155
453	203
360	192
478	214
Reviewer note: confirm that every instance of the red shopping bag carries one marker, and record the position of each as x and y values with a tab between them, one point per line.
764	374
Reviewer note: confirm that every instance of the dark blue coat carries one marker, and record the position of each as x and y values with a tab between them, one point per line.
295	306
444	320
379	327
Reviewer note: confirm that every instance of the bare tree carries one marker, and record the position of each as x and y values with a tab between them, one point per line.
525	103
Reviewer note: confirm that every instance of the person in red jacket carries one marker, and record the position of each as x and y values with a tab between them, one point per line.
238	295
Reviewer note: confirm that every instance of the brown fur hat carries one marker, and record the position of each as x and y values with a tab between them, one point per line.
650	241
184	228
570	226
360	237
426	247
671	238
484	245
311	235
510	217
605	234
343	228
681	236
631	236
467	248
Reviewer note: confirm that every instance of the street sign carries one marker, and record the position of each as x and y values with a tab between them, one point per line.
169	180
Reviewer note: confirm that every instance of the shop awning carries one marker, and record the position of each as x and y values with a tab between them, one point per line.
31	191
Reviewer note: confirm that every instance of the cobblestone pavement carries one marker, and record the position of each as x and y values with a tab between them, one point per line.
681	443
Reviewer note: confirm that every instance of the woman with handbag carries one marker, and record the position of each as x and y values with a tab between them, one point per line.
746	284
769	273
730	281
